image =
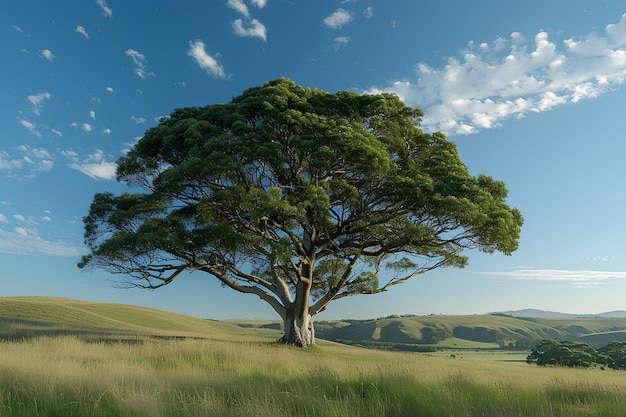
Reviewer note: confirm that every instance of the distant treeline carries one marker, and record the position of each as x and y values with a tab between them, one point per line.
577	354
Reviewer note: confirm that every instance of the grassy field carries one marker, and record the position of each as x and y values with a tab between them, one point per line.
222	370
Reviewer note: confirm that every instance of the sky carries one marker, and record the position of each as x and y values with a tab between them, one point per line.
531	92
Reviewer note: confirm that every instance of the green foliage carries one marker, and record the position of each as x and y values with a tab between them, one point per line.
289	193
556	353
576	354
614	355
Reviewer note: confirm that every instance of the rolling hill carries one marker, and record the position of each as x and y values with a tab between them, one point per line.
26	317
22	317
412	333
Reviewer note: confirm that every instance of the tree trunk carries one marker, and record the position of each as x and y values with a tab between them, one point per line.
299	329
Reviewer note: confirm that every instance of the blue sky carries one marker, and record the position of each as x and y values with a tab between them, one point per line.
532	93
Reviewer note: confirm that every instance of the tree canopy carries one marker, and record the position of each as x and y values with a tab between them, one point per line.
297	196
578	354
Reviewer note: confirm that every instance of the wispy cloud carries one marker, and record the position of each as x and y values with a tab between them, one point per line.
138	120
37	100
259	3
141	64
87	128
92	114
559	275
110	89
255	29
47	54
602	258
340	43
513	77
3	218
239	6
205	61
106	10
17	28
369	12
36	159
30	127
82	31
27	220
95	165
338	19
8	163
23	241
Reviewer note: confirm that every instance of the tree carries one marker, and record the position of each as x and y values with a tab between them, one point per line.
613	355
566	353
298	196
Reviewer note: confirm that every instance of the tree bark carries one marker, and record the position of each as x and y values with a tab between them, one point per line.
299	330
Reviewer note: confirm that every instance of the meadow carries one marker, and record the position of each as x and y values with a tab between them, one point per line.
225	370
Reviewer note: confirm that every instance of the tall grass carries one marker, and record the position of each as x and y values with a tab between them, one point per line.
67	376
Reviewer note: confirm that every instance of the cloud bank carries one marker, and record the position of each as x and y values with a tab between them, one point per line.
513	77
559	275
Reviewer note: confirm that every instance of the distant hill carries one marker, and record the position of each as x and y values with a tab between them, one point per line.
530	312
503	330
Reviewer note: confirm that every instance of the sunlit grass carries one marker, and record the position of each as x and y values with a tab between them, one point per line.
66	376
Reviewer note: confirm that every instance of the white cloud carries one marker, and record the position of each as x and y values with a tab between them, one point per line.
37	100
96	166
26	242
110	89
206	61
47	54
41	153
46	219
106	131
239	6
338	19
21	231
3	218
82	31
138	120
512	77
340	43
106	11
92	114
369	12
560	275
27	220
45	166
259	3
255	29
56	132
17	28
140	64
7	163
70	154
30	127
602	258
86	127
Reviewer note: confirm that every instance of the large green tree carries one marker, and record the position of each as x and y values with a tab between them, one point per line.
297	196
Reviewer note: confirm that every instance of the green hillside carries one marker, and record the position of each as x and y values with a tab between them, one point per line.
411	333
33	316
